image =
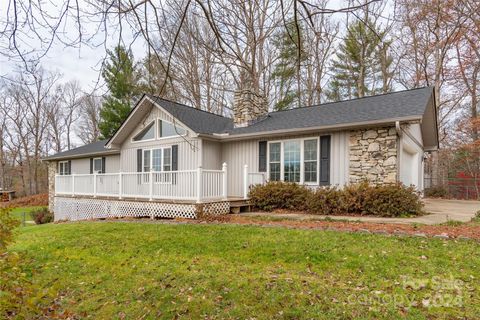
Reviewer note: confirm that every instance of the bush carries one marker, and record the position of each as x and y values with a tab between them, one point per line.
279	195
385	200
328	200
41	216
392	201
436	192
7	225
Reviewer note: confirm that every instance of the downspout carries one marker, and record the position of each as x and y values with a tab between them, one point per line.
398	129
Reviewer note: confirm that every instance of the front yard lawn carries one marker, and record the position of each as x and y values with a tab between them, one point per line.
18	213
106	270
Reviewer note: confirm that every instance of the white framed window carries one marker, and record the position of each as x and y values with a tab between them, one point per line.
97	165
63	168
294	160
310	160
292	154
159	161
167	129
275	150
146	134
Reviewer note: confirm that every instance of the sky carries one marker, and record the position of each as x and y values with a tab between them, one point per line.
81	63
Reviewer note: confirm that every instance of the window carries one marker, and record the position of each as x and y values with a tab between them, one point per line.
168	129
310	160
146	160
157	159
167	159
274	156
291	162
146	134
161	162
97	165
63	168
295	160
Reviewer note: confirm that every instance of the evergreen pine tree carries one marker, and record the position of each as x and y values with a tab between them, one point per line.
122	78
362	60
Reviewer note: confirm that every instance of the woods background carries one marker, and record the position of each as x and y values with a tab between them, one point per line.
295	53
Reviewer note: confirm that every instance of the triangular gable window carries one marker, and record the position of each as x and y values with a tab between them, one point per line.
146	134
168	129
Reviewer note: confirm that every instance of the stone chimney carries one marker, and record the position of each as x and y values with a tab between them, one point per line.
248	106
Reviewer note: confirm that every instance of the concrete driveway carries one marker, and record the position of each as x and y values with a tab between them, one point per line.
440	211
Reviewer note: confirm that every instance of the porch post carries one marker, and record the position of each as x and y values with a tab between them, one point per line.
150	174
199	184
94	184
73	184
245	182
225	181
120	185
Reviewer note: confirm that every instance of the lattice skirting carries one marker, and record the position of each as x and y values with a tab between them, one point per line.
74	209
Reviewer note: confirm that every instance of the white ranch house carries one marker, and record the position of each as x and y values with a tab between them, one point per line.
171	160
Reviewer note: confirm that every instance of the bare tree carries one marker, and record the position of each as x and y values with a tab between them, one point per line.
88	115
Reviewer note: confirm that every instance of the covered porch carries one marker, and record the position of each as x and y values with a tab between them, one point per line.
171	194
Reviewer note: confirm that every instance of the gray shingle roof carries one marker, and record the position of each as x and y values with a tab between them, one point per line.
198	120
393	105
92	148
401	104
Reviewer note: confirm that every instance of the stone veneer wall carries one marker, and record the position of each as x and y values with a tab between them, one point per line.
52	171
248	106
373	155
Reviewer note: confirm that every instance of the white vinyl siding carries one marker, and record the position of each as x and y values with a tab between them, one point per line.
238	153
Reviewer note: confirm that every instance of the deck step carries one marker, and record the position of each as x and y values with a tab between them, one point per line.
237	206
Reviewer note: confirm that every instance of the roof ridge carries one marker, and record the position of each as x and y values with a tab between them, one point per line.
193	108
354	99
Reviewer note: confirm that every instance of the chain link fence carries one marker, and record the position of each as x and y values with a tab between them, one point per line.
455	188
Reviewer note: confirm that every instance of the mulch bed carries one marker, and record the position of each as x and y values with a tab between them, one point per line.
466	231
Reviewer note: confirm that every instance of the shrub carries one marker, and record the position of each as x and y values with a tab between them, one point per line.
279	195
41	216
328	200
436	192
392	201
7	225
385	200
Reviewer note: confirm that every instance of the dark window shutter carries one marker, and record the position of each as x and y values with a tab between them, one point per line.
262	156
103	164
139	160
91	165
69	171
174	157
325	160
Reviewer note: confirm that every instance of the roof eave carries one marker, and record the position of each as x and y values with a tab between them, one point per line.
338	127
81	155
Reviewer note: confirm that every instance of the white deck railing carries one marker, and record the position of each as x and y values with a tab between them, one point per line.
251	179
198	185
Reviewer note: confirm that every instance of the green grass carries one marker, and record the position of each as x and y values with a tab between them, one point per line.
18	213
150	271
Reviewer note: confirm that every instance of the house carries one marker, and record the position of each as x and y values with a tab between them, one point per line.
171	160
